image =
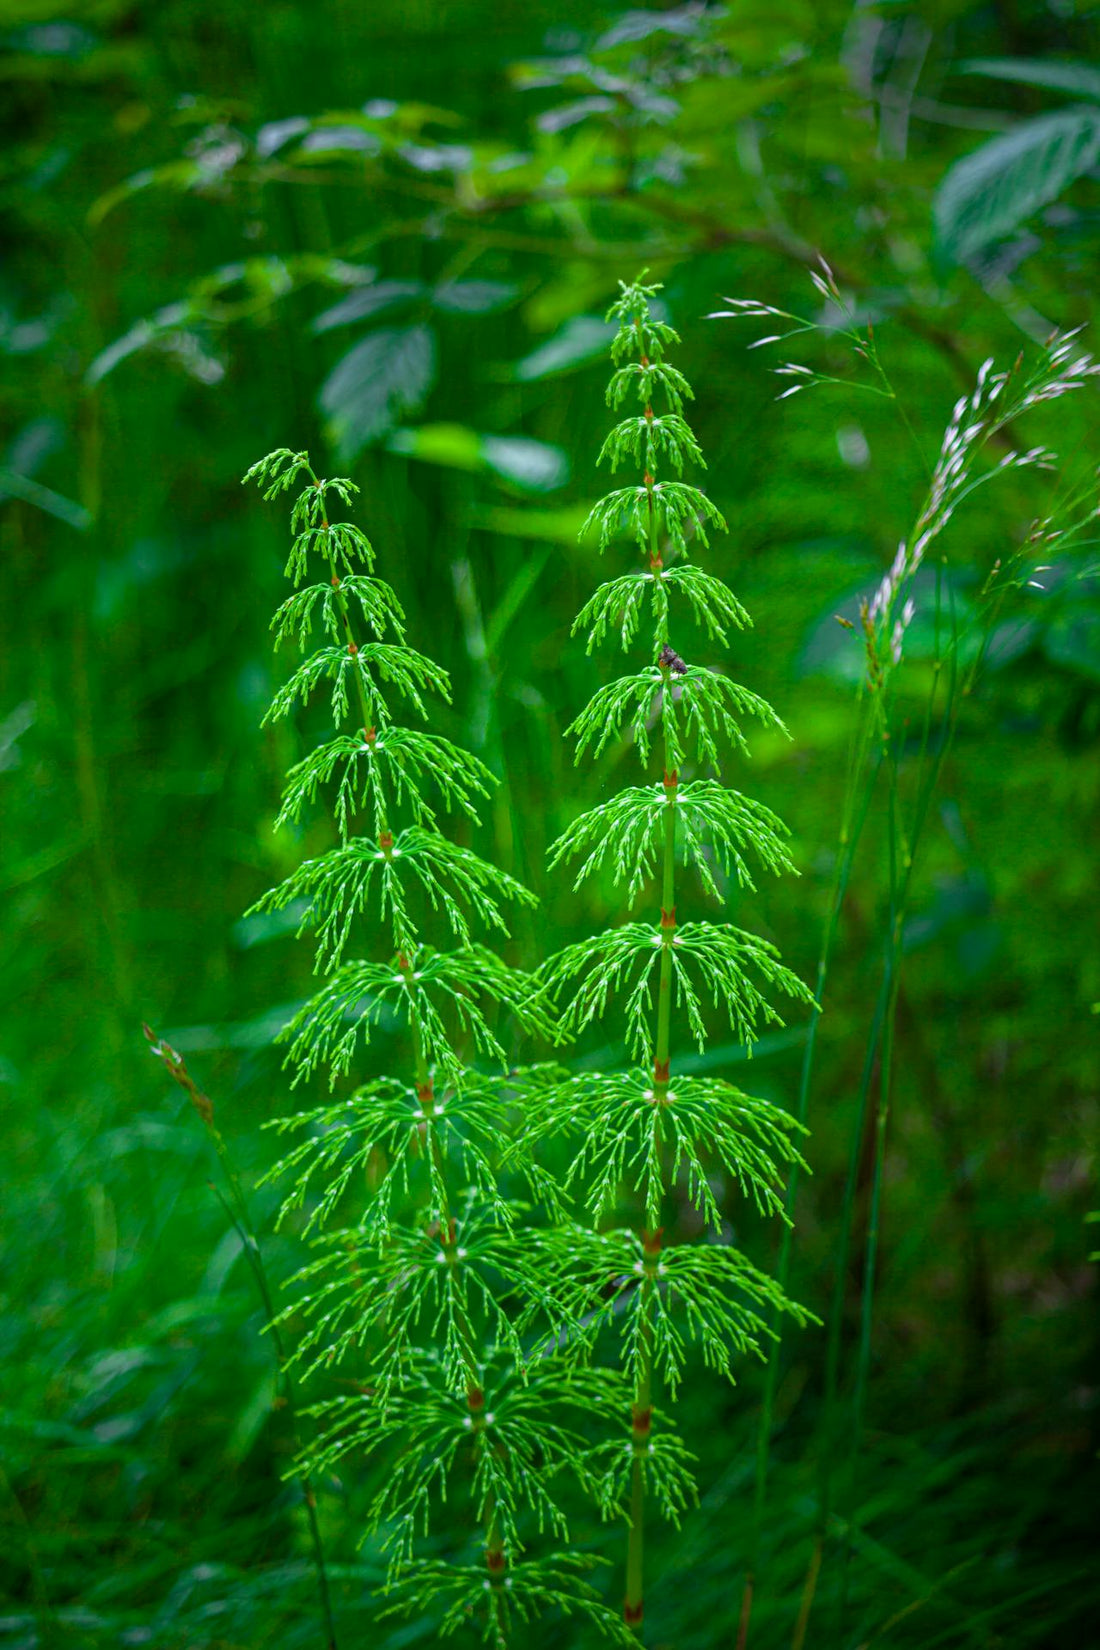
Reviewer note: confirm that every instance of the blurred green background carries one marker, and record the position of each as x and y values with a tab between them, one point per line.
389	233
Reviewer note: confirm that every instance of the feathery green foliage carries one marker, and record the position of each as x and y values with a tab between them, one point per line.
421	1292
642	1132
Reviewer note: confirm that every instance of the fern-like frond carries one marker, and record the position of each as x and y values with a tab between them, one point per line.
396	765
499	1606
277	472
639	328
672	509
646	437
408	672
618	605
513	1434
706	1294
342	546
446	991
310	508
667	1473
448	1283
385	1135
649	381
379	606
631	1136
711	958
715	827
713	604
343	883
699	710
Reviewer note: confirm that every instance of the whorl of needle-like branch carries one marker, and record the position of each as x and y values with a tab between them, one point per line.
639	1134
422	1291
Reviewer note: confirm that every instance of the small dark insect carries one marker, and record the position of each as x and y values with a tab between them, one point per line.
669	660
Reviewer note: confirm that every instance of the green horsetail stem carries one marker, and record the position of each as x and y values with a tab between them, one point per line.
423	1284
642	1130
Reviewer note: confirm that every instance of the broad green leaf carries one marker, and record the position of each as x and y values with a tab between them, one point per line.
278	133
175	174
44	498
991	192
452	445
560	526
1079	79
329	140
135	338
364	301
581	339
473	297
533	465
381	378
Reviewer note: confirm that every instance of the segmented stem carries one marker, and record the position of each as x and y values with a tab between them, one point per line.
353	647
641	1414
495	1557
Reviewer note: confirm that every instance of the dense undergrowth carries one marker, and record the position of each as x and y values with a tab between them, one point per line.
227	235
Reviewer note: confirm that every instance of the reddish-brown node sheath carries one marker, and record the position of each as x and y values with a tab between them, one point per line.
402	960
495	1560
647	480
660	1071
475	1399
425	1092
651	1241
385	842
369	736
671	780
668	918
641	1421
649	412
632	1614
353	648
335	582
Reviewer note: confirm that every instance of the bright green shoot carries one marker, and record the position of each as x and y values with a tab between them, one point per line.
423	1291
649	1132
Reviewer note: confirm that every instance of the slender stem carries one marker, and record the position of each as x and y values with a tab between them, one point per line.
891	975
353	648
641	1412
495	1557
856	808
641	1420
236	1208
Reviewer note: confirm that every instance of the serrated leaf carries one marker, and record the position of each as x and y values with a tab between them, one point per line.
1080	79
380	379
992	191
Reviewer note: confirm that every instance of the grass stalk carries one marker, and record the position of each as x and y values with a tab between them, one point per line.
237	1211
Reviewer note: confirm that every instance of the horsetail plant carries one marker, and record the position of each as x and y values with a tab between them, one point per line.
421	1284
652	1132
